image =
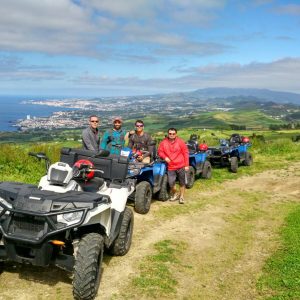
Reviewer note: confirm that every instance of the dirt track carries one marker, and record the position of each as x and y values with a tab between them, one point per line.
228	240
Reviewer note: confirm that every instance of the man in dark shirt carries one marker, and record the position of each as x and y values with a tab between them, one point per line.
141	141
90	135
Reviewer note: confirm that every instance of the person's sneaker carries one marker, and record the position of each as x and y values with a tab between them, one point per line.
174	197
181	200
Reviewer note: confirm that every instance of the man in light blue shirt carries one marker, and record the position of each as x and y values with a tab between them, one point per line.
114	139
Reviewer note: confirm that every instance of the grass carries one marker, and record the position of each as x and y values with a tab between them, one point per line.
17	165
281	274
159	272
213	271
156	271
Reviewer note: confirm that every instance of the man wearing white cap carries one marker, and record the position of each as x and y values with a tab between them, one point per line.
114	139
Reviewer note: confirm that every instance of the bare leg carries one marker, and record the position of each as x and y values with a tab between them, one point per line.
173	190
182	190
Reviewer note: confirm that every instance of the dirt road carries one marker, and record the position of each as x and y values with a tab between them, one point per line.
228	234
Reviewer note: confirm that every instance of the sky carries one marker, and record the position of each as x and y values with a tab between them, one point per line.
88	48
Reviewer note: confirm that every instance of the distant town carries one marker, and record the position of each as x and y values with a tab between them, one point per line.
174	106
106	108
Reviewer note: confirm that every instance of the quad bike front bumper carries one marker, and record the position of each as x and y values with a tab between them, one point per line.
30	219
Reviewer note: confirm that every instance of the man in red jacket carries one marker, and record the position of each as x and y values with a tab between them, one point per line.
175	152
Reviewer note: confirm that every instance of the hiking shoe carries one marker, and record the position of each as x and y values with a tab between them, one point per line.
174	197
181	200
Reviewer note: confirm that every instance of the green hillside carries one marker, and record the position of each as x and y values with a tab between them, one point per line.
250	119
215	120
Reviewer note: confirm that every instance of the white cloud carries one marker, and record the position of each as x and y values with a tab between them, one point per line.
289	9
53	27
12	69
124	9
162	43
93	28
282	74
142	9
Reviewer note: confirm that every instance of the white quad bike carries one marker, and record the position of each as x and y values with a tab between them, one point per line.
70	218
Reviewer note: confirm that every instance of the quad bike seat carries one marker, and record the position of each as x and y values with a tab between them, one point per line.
235	139
93	185
192	146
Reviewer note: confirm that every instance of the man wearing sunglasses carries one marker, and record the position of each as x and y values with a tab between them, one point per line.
141	141
175	152
114	139
90	135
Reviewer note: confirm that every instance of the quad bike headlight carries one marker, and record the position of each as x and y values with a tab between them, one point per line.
73	217
134	172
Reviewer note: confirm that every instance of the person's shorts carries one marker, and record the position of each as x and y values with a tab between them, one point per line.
180	174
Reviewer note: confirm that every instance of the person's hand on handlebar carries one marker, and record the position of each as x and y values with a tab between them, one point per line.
140	158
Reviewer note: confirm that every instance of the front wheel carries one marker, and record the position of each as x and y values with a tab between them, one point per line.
234	164
206	171
190	178
163	194
122	243
248	159
87	269
143	197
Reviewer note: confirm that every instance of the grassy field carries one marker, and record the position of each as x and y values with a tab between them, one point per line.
173	266
281	273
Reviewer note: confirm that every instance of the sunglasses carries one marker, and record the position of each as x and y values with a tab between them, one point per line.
139	125
94	121
170	133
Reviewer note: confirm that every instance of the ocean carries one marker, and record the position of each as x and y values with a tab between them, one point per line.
12	110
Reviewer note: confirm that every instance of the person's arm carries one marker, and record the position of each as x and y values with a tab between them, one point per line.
103	144
130	142
150	147
127	136
86	139
185	152
161	151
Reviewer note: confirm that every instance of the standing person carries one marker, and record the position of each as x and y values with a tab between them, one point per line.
141	140
90	135
114	139
175	152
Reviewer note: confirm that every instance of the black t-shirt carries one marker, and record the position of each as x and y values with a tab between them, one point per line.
141	142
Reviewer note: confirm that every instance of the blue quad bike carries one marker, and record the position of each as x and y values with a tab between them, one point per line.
231	153
198	160
150	180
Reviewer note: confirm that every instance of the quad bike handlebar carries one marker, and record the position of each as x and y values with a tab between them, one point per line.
85	171
40	156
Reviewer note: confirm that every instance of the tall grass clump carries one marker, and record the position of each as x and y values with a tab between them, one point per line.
17	165
280	147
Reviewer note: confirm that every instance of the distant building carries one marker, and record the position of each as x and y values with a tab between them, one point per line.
28	117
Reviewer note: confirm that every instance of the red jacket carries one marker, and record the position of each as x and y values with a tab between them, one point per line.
176	151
